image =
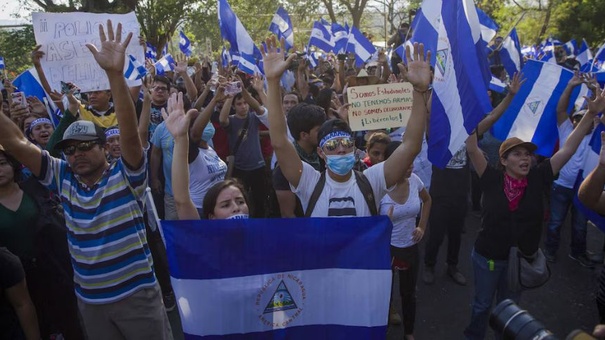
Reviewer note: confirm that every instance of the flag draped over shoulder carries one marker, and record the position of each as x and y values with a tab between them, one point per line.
532	114
450	30
255	279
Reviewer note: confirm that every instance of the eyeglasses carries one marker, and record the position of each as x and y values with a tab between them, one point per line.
333	144
82	146
160	88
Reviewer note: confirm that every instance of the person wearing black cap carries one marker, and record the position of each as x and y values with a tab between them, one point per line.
512	211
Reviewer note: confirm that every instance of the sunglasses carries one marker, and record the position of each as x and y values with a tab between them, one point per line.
333	144
160	88
82	146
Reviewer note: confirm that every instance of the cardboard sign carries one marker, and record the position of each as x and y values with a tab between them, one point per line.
379	106
64	36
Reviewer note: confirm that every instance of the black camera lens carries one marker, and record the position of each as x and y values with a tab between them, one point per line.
514	323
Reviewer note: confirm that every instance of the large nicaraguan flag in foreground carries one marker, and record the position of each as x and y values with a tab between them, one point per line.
258	279
450	29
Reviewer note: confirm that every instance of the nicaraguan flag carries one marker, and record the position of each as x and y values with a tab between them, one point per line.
584	54
591	161
151	52
321	37
570	47
510	54
489	28
235	33
598	62
2	65
281	26
497	85
134	69
340	35
225	57
185	44
28	82
529	51
532	115
165	64
360	45
255	279
459	100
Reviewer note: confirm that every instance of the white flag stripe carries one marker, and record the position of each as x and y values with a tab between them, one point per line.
343	286
527	121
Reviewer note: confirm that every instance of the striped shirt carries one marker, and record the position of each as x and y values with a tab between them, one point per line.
105	229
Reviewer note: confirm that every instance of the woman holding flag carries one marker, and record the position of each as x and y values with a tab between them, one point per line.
512	211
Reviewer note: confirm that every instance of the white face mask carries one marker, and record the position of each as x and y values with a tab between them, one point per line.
237	217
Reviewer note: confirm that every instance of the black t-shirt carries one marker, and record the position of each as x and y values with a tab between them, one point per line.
11	273
452	183
501	228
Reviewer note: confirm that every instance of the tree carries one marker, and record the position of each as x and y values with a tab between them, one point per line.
16	46
94	6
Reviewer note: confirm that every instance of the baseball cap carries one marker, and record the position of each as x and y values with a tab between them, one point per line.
513	142
81	130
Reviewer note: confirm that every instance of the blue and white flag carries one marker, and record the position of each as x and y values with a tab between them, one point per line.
360	45
532	115
529	52
591	161
29	83
448	28
489	28
2	65
497	85
165	64
281	26
225	57
165	50
584	54
151	52
134	69
570	47
598	62
235	33
185	44
510	53
255	279
321	37
340	35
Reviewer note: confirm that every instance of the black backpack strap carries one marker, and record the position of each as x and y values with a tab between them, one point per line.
319	187
366	189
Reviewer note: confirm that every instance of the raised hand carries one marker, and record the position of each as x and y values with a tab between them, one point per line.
177	122
36	106
74	103
577	79
181	64
36	55
113	50
258	83
418	68
597	104
273	58
516	82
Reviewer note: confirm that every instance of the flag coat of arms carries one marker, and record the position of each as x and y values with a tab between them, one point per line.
257	279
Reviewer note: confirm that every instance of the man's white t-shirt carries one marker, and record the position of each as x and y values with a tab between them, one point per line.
569	172
340	199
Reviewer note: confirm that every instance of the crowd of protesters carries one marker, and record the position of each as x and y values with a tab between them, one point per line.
80	257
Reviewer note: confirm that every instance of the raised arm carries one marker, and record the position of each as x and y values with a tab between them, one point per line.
286	154
419	74
177	123
223	118
181	69
591	190
573	141
475	154
254	104
497	112
257	84
563	102
111	59
145	117
202	119
36	56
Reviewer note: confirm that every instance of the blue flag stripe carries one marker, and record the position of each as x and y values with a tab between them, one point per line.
225	249
333	332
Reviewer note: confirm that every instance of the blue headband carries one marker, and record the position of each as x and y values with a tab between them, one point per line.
332	135
112	132
40	121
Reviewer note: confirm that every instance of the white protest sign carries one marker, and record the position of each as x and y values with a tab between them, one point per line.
64	36
379	106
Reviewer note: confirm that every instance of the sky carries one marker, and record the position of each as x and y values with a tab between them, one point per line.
10	7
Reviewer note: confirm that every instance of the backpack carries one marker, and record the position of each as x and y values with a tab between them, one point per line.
362	183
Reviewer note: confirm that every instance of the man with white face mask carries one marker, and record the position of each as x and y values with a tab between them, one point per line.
342	194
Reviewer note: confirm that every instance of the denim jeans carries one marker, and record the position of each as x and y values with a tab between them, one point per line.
487	284
560	200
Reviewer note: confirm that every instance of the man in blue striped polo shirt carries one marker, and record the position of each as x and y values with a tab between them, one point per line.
117	291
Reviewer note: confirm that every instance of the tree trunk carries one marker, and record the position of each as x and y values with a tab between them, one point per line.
546	19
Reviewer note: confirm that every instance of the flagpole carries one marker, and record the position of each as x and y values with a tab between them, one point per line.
511	30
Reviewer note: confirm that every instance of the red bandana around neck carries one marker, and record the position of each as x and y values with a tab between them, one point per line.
514	190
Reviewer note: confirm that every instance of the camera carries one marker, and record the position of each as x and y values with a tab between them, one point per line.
510	321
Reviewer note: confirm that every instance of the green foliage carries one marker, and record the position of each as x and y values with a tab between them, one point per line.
16	46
